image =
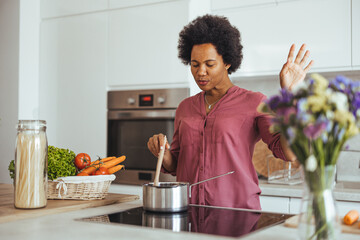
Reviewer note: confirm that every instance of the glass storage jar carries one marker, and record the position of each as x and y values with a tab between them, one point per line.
30	183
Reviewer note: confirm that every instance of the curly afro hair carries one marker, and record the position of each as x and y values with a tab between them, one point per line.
217	31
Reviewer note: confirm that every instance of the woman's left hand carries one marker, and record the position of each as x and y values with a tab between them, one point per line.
294	72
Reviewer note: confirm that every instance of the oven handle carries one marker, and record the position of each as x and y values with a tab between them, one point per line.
141	114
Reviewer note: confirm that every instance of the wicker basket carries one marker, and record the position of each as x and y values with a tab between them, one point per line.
80	187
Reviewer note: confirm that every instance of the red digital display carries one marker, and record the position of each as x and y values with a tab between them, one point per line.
146	98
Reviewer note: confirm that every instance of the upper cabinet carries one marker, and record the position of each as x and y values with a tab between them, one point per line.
58	8
356	32
142	45
270	27
73	82
132	3
219	5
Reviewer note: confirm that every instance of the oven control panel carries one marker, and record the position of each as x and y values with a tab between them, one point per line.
152	98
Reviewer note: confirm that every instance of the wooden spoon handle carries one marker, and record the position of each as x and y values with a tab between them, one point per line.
159	163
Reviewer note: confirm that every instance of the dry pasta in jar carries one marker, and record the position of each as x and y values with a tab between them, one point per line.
30	183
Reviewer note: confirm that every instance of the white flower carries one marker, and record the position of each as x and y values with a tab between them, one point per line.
330	115
311	163
298	86
340	100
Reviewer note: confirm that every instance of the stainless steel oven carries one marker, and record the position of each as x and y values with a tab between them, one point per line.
133	117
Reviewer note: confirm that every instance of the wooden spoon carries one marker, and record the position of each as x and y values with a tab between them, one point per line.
159	163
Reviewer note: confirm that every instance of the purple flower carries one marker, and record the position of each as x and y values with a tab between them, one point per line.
313	131
355	103
324	137
291	133
286	112
342	84
277	101
273	102
341	134
286	96
343	79
354	84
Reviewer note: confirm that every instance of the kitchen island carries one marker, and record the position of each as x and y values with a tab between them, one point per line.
67	226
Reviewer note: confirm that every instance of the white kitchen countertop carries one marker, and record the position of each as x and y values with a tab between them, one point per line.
63	226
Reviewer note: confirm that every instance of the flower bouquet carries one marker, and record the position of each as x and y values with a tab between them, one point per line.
317	117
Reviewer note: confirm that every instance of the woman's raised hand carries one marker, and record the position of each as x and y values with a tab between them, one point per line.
155	142
294	71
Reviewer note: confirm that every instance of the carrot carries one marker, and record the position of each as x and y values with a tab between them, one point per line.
115	169
82	174
88	170
114	162
102	160
351	217
108	164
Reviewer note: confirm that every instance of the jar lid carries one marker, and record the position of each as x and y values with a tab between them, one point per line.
31	125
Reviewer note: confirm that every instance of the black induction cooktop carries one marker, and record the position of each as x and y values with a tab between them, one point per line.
198	219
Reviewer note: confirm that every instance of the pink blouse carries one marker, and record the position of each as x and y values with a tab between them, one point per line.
207	145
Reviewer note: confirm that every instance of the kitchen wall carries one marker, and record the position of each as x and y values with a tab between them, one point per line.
9	57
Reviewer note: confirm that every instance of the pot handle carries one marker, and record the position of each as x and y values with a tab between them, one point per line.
208	180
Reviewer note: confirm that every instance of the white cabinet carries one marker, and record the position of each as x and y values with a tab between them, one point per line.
295	205
57	8
268	30
218	5
143	45
73	82
274	204
356	33
132	3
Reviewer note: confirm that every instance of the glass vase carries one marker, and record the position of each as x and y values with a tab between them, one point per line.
318	214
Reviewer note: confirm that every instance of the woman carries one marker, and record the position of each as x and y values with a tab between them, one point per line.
216	130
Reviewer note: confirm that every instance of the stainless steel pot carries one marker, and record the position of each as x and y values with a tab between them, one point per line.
169	196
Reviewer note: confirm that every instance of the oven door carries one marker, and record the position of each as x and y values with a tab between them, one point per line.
128	134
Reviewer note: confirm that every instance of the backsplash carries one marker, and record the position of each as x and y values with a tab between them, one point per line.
348	167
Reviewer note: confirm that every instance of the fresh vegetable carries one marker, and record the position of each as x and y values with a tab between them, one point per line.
114	162
351	217
11	169
82	174
108	164
102	160
60	162
115	169
82	160
102	171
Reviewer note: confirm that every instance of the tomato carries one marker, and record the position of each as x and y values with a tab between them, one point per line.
82	160
102	171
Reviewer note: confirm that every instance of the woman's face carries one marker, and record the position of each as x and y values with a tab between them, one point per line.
208	67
